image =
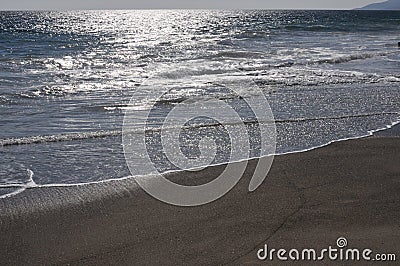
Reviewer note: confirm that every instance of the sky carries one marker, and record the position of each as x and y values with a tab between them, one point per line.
172	4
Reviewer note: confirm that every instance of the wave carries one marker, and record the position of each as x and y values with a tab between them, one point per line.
348	58
338	27
58	138
239	54
309	27
31	184
333	60
113	133
336	117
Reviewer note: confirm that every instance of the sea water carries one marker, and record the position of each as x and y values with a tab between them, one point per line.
67	79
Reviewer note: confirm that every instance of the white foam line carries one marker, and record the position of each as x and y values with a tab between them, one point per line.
12	193
12	185
27	186
31	185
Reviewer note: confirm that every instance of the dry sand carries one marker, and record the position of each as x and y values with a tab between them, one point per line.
308	200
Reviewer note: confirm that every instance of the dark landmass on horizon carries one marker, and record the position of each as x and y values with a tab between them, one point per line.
387	5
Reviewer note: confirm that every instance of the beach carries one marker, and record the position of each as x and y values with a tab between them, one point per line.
347	189
91	98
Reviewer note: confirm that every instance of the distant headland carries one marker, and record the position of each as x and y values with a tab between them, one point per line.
387	5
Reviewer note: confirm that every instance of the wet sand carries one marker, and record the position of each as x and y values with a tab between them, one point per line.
349	189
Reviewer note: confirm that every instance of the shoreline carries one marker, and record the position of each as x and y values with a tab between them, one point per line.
346	188
389	131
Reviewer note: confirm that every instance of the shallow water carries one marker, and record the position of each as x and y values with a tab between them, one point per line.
66	79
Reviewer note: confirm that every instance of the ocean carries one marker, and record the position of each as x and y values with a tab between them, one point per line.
68	79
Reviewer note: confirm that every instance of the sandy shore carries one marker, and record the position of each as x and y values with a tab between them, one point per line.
308	200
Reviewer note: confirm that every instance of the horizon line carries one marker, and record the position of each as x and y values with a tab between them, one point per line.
227	9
